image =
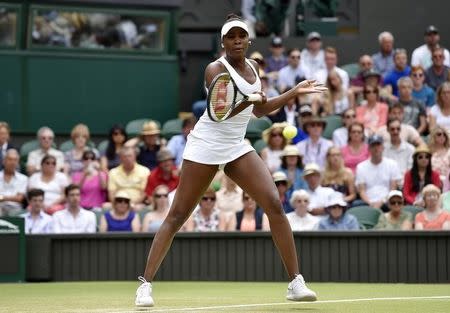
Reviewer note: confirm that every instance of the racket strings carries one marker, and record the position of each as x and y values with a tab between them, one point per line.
221	99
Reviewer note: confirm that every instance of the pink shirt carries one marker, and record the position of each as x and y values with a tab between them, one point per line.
352	160
436	224
92	194
374	118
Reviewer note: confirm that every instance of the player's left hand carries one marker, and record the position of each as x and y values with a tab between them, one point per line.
310	86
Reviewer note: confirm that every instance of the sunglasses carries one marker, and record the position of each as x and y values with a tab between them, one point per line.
279	183
350	116
50	163
122	200
417	75
276	135
92	158
421	157
439	134
396	202
295	57
370	91
302	200
209	198
161	195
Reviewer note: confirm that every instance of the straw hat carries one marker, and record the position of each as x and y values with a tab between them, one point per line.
314	119
275	126
150	128
311	168
422	149
122	194
279	176
290	150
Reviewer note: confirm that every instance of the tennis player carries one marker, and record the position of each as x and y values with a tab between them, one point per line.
211	145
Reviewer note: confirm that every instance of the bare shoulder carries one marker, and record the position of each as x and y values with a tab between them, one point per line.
212	70
255	65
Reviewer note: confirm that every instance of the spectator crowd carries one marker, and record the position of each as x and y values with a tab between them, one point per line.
388	152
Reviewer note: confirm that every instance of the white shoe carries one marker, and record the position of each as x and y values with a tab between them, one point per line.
144	293
297	290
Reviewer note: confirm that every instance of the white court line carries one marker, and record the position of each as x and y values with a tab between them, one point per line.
236	306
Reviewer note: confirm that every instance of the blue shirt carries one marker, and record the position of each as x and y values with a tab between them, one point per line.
298	182
274	65
346	222
176	146
119	225
425	95
383	64
393	76
301	135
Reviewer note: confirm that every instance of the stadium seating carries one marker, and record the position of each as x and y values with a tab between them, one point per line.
256	126
352	69
259	145
171	128
366	215
102	145
333	122
134	127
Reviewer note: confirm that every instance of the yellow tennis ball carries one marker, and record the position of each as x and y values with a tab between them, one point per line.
290	132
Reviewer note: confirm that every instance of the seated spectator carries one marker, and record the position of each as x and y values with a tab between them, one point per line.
251	217
121	217
36	220
177	143
305	114
356	149
400	70
92	180
439	72
276	142
419	176
423	55
374	79
331	61
337	176
229	196
383	60
276	60
414	111
373	114
116	140
165	174
313	56
13	185
421	91
266	86
149	143
74	219
52	182
292	73
315	147
337	218
287	113
336	100
207	217
398	150
440	112
433	218
396	218
130	177
300	219
281	181
440	151
154	219
292	166
365	64
5	144
318	194
407	133
45	136
73	158
340	135
376	176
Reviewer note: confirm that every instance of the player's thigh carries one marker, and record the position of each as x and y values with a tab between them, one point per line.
194	180
252	175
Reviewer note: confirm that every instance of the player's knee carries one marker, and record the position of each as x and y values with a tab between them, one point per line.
177	219
273	206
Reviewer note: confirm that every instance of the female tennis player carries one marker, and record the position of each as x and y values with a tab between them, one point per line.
211	145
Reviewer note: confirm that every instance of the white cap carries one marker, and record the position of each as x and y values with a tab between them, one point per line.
229	25
336	198
395	193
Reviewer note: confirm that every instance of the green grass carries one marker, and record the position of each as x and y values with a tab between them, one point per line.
119	297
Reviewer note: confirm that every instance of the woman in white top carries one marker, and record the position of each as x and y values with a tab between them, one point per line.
211	144
276	142
301	219
440	112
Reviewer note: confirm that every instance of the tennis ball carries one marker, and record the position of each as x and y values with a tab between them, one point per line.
289	132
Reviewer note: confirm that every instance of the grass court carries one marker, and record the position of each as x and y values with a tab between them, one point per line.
99	297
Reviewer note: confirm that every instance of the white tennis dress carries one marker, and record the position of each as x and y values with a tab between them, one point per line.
219	143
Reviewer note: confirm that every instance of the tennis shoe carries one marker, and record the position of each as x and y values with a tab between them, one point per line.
144	294
297	290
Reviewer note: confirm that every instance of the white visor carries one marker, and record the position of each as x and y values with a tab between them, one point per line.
227	26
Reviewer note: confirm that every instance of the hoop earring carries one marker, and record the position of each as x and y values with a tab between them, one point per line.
222	45
249	42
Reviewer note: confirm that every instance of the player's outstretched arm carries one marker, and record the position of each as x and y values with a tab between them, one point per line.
302	88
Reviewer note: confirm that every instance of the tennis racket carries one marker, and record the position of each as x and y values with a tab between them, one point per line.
224	96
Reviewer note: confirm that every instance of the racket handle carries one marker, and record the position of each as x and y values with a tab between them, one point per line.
254	97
